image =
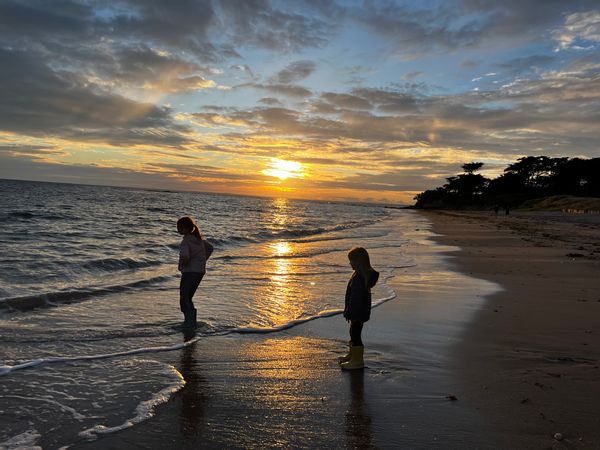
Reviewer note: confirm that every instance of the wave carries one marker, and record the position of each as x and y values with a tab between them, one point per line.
157	209
25	440
29	302
305	254
28	215
145	409
364	235
301	235
110	264
21	214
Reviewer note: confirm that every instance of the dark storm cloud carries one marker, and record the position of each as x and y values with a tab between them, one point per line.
39	101
295	71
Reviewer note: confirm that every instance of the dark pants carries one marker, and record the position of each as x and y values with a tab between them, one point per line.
187	288
356	327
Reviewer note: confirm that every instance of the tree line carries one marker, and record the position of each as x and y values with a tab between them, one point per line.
528	178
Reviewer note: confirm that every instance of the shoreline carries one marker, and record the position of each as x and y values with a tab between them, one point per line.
530	357
287	390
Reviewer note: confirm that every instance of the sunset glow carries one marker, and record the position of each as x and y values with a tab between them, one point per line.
372	101
284	169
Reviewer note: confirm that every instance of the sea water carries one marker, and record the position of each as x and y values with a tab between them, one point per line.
89	291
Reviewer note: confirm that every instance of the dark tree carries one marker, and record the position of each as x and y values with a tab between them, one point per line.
472	167
528	178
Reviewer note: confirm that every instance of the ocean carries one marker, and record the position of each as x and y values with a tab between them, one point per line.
89	292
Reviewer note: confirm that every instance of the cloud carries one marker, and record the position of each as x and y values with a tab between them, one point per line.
270	101
555	113
452	26
259	23
412	75
39	101
523	65
153	45
289	90
348	101
75	70
581	26
468	64
295	71
147	68
166	176
385	100
244	68
34	152
388	100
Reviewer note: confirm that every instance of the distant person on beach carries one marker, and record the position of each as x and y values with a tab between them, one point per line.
193	254
357	308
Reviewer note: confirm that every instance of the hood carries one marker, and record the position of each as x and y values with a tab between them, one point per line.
373	279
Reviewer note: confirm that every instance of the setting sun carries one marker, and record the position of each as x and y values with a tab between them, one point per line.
283	170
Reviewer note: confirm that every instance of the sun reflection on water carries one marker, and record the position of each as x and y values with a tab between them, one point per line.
281	248
282	298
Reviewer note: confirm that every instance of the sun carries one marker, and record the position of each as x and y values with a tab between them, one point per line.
283	169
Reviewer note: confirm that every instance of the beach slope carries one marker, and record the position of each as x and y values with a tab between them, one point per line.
530	358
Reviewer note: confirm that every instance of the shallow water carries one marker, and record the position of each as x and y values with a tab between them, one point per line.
100	264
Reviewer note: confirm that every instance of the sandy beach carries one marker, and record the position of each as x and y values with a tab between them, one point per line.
530	358
490	343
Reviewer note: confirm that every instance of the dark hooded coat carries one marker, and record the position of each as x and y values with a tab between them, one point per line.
358	297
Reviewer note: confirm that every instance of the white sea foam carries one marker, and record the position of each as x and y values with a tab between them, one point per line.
26	440
65	408
145	409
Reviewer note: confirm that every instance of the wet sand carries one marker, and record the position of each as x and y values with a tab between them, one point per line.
530	359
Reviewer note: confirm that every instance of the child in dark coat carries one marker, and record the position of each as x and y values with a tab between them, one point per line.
357	308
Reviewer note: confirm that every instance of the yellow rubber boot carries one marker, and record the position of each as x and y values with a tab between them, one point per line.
346	357
356	358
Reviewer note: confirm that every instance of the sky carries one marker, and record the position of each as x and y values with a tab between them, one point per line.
331	100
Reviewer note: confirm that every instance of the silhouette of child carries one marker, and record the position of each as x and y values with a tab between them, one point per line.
193	253
357	308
